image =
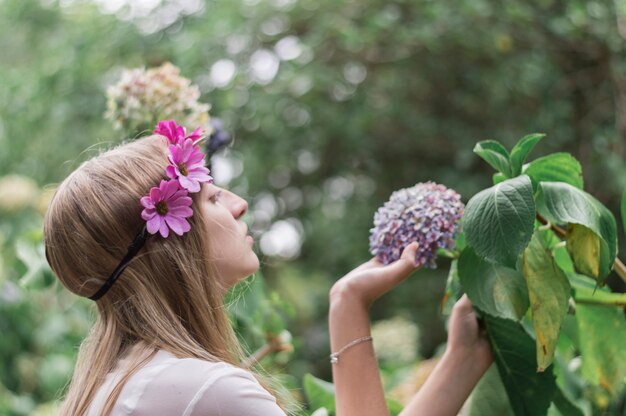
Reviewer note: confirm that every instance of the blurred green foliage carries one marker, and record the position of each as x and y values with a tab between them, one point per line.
333	105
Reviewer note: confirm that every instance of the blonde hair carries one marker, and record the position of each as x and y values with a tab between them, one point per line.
166	298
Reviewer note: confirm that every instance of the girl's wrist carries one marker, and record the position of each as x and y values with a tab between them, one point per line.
472	359
343	298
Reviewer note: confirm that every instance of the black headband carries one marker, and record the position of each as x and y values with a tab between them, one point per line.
133	249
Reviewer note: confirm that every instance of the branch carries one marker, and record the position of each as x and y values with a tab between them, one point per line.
587	301
274	344
618	266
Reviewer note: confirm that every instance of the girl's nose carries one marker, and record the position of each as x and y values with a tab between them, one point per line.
238	206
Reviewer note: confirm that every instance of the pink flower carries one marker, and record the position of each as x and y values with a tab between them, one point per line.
167	208
175	133
187	165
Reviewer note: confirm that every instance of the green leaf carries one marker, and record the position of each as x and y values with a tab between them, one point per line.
585	291
489	397
37	269
500	291
548	290
561	203
529	393
565	405
498	221
602	345
623	210
453	289
395	407
319	393
495	154
521	151
557	167
498	177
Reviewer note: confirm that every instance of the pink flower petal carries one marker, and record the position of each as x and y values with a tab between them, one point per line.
188	184
155	194
171	130
164	230
196	158
187	148
154	224
176	224
179	202
147	202
170	189
148	213
196	134
180	211
171	172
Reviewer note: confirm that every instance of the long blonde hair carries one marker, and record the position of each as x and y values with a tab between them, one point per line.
165	299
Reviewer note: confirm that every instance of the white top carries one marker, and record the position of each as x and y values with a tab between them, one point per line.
167	385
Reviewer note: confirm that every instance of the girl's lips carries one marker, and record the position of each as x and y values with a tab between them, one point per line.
249	239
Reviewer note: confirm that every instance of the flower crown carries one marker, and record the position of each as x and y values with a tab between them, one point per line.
167	206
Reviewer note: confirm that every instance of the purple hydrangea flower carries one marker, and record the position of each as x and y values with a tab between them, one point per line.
428	213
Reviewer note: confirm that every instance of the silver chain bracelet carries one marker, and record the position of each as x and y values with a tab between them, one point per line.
334	357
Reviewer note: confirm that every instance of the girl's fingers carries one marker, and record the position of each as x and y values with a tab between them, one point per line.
463	306
402	268
373	262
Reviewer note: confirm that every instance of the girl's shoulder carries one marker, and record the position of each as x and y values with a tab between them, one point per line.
168	385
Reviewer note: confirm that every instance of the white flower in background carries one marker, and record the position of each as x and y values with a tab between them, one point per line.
17	192
396	340
144	96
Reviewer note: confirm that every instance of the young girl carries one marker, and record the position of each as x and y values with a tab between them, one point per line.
143	231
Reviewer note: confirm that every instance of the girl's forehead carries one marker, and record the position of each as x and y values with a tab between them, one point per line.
208	187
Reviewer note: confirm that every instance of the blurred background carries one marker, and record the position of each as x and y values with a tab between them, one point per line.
332	106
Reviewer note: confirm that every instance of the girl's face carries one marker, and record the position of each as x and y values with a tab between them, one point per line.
230	245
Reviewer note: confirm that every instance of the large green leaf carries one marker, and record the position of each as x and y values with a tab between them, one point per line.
603	345
623	210
319	393
521	151
557	167
489	397
548	290
453	289
530	393
495	154
500	291
561	203
498	221
565	406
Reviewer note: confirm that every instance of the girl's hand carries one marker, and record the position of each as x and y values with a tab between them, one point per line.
372	279
465	337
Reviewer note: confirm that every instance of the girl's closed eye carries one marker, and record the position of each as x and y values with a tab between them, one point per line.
215	197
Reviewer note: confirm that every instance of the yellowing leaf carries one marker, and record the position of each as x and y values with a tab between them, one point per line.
602	332
548	291
585	248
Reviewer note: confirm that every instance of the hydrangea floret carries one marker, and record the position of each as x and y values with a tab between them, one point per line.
167	206
427	213
143	96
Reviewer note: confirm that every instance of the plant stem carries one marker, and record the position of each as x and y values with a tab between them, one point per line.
600	303
618	266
